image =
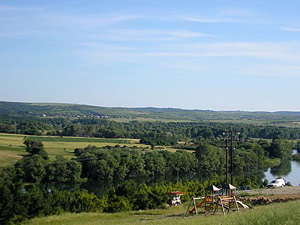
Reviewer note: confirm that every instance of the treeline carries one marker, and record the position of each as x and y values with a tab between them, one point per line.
31	125
173	130
116	164
120	164
154	133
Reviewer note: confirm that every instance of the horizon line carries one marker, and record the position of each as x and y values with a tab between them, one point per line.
154	107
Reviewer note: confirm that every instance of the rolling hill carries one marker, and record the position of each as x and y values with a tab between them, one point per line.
75	110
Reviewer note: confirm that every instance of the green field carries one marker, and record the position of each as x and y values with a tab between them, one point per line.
275	214
142	119
12	148
80	139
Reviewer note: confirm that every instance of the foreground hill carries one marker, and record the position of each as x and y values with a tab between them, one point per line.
275	214
74	110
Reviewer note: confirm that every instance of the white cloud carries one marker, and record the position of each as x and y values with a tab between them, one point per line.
273	70
294	29
86	21
265	50
260	59
203	20
147	35
216	20
7	8
228	15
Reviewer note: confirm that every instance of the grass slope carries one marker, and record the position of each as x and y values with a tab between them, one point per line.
275	214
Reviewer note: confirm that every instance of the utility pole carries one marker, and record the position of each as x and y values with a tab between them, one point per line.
231	158
229	152
226	161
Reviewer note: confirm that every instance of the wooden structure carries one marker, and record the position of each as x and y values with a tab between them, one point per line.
193	202
211	196
214	200
212	193
228	201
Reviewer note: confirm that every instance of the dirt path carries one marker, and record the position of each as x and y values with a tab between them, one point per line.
273	191
270	195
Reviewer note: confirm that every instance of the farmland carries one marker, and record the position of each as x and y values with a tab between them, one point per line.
12	148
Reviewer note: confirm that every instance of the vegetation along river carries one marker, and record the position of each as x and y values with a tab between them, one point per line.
289	170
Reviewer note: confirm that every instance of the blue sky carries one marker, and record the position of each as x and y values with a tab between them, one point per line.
220	55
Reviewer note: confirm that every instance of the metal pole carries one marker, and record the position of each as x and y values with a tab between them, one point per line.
231	157
226	160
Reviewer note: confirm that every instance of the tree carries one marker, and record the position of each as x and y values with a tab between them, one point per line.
281	148
210	160
63	171
35	147
31	169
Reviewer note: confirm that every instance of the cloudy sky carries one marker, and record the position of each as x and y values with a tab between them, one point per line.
195	54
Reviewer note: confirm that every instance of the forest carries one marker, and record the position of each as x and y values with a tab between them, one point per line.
176	131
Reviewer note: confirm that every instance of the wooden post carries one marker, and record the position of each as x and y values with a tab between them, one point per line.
222	206
236	205
187	211
195	206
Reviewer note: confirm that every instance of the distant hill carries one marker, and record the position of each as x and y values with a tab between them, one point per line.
74	110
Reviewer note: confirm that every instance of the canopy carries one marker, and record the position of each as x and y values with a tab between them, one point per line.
176	193
230	187
212	188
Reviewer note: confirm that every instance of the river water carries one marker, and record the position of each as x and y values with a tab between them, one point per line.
289	170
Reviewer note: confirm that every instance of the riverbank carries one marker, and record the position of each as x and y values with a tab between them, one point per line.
270	195
272	162
287	190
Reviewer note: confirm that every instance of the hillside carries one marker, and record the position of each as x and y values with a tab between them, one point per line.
275	214
74	110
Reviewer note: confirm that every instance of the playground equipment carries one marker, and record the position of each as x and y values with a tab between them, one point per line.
227	201
214	199
211	195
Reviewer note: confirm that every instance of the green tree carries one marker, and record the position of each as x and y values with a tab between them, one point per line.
281	148
63	171
31	169
210	160
35	148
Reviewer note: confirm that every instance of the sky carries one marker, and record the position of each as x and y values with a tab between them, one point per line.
192	54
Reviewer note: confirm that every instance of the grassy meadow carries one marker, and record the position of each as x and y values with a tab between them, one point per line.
275	214
12	148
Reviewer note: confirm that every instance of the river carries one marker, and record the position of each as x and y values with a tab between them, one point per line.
289	170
